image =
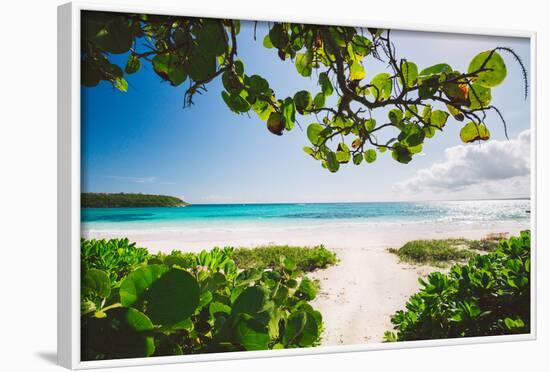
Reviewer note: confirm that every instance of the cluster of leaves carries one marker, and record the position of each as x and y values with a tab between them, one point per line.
490	295
125	200
419	101
115	257
200	303
307	259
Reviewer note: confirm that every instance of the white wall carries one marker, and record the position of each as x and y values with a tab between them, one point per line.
28	168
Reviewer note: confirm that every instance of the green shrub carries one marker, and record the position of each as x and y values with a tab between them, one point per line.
198	303
486	245
307	259
490	295
434	252
115	257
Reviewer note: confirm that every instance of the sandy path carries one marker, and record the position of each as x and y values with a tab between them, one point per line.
357	308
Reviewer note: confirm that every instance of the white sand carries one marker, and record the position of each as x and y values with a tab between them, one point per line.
358	295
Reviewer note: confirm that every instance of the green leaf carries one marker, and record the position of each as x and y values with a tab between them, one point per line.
495	66
170	68
310	333
401	153
294	326
115	36
313	133
357	159
332	162
218	307
258	84
436	69
370	124
235	102
370	156
205	298
456	113
326	85
473	132
479	96
319	101
302	100
427	113
410	72
96	282
439	118
289	113
361	45
343	154
251	301
356	71
262	108
395	116
211	38
186	324
171	294
307	289
133	65
121	84
200	65
252	334
412	109
278	36
511	323
239	68
308	150
382	86
289	264
123	333
304	63
267	42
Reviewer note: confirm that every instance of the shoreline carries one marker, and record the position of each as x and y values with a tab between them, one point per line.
359	294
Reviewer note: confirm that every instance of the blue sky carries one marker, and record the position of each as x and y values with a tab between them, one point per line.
144	141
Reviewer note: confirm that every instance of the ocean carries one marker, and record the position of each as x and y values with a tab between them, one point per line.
251	216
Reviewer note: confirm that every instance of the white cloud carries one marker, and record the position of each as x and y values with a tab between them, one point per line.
492	169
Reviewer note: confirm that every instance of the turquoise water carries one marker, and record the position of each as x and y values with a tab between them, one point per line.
237	215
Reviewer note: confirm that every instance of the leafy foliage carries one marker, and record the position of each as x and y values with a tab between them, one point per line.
306	259
115	257
198	303
200	50
121	200
490	295
434	252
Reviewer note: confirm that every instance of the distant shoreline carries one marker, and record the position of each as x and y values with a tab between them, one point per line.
128	200
186	204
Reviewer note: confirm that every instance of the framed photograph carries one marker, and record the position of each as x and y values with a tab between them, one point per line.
235	186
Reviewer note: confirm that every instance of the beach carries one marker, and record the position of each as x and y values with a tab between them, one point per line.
359	294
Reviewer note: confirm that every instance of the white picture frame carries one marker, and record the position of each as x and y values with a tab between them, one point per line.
69	173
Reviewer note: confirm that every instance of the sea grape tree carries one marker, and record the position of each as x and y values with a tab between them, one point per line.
419	100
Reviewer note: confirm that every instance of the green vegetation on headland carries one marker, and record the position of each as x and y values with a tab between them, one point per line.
124	200
134	304
442	252
490	295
